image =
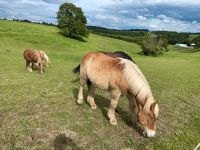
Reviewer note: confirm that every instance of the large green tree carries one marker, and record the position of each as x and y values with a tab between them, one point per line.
71	20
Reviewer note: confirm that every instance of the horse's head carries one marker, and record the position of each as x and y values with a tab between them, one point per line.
45	59
46	63
147	119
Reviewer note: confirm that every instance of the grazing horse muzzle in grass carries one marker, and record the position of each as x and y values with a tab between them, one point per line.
119	75
34	57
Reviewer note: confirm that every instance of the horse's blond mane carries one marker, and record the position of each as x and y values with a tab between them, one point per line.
45	55
136	80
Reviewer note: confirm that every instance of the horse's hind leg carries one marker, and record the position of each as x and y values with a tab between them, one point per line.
90	97
80	93
115	94
83	80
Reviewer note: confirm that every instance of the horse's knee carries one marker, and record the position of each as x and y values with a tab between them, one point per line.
82	82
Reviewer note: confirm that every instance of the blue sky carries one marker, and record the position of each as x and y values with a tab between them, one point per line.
171	15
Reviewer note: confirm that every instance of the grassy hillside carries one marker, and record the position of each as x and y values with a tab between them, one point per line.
40	111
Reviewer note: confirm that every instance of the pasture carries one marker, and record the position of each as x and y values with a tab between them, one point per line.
40	111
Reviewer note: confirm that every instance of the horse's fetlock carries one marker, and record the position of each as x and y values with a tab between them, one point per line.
79	101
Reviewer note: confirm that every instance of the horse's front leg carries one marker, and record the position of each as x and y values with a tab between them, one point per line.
40	67
80	93
132	109
28	66
115	94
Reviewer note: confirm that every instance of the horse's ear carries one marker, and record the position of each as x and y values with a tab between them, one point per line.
152	107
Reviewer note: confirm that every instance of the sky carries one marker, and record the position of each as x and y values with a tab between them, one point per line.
168	15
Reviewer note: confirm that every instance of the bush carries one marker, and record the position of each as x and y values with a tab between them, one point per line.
154	45
196	40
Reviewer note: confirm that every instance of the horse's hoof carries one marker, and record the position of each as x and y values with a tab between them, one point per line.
113	122
94	107
79	101
30	70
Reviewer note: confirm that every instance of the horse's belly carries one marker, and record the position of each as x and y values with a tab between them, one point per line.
101	85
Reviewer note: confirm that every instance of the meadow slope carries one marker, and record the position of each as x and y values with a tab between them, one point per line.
40	111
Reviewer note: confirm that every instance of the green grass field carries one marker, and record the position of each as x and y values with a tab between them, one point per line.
40	111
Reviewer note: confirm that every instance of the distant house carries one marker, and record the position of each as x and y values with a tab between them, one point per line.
181	45
193	45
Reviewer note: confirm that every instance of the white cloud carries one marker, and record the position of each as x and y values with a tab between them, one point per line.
160	22
174	15
123	11
141	17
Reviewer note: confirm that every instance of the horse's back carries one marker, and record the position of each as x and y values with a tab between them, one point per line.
98	59
119	54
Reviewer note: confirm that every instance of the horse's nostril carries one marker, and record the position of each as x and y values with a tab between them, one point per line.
144	133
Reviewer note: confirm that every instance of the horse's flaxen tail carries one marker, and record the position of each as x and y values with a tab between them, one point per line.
76	70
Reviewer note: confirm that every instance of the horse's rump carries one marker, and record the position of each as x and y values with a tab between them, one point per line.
32	56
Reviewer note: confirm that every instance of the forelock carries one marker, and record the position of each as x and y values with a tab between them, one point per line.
156	110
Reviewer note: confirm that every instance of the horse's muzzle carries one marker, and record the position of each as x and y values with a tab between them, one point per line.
149	133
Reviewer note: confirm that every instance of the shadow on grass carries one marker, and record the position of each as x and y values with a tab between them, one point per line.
62	142
103	103
76	37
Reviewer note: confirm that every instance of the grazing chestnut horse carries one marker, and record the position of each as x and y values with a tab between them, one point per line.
119	75
36	57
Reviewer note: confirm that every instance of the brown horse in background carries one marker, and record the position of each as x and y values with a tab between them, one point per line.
34	57
119	75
